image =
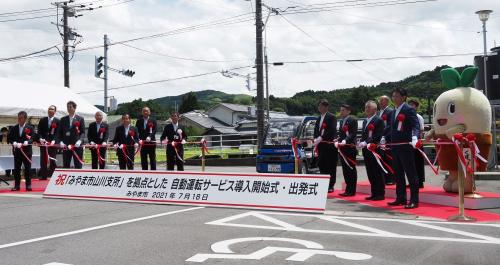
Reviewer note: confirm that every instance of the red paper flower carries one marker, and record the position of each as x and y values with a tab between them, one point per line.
76	124
345	128
458	136
150	124
372	147
102	130
384	117
323	126
370	127
53	125
401	117
27	131
419	144
131	133
470	137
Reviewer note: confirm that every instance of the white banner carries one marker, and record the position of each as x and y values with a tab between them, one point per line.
263	191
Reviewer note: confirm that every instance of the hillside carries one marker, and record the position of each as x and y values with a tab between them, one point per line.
423	87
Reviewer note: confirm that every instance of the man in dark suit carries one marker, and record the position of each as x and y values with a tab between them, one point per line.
147	130
325	131
47	131
373	129
21	138
98	137
176	138
404	129
125	141
385	113
71	134
348	128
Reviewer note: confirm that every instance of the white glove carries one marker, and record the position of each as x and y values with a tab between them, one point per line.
382	140
104	144
136	145
343	142
78	143
53	142
25	143
43	141
336	144
19	145
70	147
62	144
414	141
318	140
164	141
362	145
92	143
148	139
183	142
14	144
179	131
115	146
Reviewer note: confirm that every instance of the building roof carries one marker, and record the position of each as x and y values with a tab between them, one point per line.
202	119
233	107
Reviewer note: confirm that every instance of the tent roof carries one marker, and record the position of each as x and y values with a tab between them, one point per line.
35	99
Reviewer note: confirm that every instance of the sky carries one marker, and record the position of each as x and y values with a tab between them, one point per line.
343	30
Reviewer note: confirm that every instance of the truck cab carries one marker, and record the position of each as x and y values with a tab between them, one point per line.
276	154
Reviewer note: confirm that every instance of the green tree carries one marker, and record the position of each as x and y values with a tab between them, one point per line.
189	103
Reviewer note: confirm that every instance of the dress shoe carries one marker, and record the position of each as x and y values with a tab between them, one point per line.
396	203
390	183
15	189
28	188
378	198
411	205
369	198
347	194
42	178
330	190
421	185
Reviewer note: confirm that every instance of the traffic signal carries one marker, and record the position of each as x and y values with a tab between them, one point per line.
128	73
99	66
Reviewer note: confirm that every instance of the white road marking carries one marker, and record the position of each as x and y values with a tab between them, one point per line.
222	250
96	228
57	263
372	232
21	195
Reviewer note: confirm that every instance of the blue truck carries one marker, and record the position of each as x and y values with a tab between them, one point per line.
276	154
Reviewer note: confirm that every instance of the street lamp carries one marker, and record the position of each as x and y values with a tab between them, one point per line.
483	16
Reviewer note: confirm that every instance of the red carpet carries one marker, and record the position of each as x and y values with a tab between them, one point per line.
36	186
424	209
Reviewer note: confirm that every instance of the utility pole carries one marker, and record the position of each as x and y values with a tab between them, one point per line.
66	32
105	73
260	72
267	83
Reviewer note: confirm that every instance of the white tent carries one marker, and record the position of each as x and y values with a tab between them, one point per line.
35	99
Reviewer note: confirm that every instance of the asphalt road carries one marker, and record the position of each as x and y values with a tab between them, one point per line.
40	231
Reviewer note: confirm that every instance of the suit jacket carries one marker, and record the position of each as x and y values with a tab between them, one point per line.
28	134
352	126
45	131
94	135
410	126
330	132
171	135
387	117
145	132
70	134
377	133
129	139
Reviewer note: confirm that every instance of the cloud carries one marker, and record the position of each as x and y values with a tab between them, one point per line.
432	28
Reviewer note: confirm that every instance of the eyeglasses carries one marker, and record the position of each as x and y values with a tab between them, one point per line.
52	109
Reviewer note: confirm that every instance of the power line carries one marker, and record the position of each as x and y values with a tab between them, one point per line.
26	18
380	58
184	58
26	55
32	11
164	80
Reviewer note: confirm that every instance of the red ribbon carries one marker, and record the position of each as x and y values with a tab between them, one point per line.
458	139
203	144
24	154
347	159
174	145
27	131
72	148
401	117
99	157
372	148
295	149
124	150
101	132
370	129
150	125
53	126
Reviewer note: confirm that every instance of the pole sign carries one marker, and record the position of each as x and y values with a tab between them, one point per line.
305	193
